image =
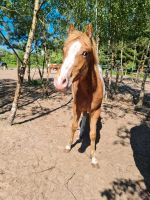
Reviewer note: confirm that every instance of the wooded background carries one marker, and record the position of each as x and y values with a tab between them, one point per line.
121	29
35	31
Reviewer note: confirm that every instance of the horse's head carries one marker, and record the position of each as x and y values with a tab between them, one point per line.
78	55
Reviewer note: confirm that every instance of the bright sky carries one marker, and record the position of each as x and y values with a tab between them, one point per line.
54	14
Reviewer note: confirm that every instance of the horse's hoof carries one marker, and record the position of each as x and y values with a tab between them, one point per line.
80	150
95	163
95	166
67	149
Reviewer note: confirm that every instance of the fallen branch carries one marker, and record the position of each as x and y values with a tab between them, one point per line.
66	185
44	170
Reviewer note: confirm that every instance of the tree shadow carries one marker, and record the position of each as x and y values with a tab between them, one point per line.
128	91
115	111
84	137
140	143
44	111
125	189
134	91
123	134
7	88
29	94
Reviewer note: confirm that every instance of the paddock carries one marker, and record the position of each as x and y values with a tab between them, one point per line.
33	164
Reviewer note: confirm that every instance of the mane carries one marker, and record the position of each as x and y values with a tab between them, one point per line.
90	43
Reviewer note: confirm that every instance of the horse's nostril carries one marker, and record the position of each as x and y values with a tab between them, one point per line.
64	81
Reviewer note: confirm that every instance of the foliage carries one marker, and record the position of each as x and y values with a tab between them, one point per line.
123	24
10	58
130	66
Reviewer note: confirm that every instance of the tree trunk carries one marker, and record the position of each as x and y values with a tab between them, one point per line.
18	63
96	26
141	66
21	70
134	58
43	67
28	71
111	68
117	78
121	66
107	72
141	97
97	44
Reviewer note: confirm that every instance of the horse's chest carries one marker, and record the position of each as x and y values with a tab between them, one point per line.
83	99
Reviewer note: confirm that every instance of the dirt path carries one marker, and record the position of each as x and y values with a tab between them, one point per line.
33	165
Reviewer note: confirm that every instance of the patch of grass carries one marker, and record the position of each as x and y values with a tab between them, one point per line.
37	82
11	66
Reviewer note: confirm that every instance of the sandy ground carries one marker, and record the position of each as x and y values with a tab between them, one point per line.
33	165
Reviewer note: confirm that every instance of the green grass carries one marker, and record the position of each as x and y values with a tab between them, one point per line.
131	75
36	82
11	66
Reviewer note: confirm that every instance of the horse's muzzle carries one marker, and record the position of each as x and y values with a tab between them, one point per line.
61	84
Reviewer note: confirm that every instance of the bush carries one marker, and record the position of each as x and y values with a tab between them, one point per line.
130	67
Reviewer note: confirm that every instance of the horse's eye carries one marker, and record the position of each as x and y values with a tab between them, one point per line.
85	53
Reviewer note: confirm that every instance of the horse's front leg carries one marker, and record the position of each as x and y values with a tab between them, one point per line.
76	117
93	121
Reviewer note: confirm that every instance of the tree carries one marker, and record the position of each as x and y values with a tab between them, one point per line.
25	61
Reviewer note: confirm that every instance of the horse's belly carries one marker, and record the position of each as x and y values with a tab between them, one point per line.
87	105
83	103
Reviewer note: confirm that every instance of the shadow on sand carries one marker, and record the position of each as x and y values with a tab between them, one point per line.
85	133
134	189
140	143
37	114
125	189
30	93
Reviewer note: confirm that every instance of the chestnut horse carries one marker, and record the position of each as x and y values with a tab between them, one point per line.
80	66
52	67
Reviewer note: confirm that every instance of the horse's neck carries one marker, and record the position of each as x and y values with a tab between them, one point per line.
90	79
91	75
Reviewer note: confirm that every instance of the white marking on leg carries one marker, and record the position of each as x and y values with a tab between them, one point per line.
69	61
68	147
94	161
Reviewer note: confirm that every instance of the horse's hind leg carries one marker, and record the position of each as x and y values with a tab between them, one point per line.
76	117
83	125
93	121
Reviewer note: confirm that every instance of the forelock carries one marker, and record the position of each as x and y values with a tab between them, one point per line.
77	35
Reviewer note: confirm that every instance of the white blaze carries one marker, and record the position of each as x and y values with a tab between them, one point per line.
69	60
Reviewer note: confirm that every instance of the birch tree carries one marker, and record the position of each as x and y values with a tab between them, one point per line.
21	70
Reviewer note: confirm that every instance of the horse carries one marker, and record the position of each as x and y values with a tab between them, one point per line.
52	67
3	65
80	70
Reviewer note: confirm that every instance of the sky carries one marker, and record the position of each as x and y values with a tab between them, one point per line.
54	14
9	22
2	29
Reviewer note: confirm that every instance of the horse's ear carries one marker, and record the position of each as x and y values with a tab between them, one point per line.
89	30
71	28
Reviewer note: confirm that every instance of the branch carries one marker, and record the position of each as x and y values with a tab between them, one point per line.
7	42
43	23
44	170
44	1
66	185
3	7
